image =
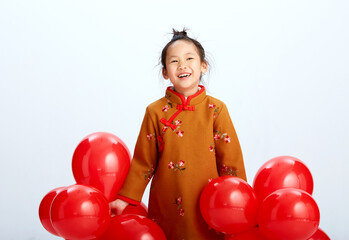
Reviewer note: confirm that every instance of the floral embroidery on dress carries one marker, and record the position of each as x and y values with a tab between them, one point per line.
216	109
181	212
179	166
212	148
227	139
179	133
211	105
229	171
219	135
169	100
210	180
164	109
178	122
215	113
179	206
164	129
149	174
151	136
171	165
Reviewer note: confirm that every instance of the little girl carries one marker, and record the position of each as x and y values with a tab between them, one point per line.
187	139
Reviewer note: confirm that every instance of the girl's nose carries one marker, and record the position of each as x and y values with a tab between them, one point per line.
182	66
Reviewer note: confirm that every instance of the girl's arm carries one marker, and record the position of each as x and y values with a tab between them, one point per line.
227	146
143	163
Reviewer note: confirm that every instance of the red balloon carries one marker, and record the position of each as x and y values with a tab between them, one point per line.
80	213
229	205
254	234
45	208
102	160
282	172
319	235
133	227
288	214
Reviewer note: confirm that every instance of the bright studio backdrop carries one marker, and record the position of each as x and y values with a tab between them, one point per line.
71	68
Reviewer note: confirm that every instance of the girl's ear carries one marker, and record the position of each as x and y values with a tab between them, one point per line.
164	73
204	67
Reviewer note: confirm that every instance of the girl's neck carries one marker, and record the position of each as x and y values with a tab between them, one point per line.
186	95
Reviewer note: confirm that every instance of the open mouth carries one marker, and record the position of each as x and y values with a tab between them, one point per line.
184	75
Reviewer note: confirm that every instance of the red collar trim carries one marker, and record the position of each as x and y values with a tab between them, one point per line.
185	103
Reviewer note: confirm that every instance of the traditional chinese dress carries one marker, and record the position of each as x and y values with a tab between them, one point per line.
183	144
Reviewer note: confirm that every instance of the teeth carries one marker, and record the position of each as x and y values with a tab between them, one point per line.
184	75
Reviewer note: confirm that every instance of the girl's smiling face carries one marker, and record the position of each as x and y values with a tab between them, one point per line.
184	67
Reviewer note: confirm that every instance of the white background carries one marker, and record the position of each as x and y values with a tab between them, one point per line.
71	68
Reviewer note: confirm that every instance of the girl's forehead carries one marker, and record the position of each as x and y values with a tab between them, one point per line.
181	47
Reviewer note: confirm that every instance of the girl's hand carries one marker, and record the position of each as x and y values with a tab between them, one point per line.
117	207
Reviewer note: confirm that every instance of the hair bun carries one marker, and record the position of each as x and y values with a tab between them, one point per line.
182	33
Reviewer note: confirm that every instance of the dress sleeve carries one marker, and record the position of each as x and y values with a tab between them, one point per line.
143	163
227	147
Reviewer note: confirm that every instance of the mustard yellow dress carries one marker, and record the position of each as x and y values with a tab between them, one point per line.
183	144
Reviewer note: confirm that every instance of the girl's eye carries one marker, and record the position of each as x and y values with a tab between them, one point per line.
190	58
173	61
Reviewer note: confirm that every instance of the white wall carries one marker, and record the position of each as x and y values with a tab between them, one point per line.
70	68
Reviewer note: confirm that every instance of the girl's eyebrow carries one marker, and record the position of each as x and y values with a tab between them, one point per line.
188	53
